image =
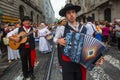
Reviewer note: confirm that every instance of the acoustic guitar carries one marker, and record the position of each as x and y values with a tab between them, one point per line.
15	45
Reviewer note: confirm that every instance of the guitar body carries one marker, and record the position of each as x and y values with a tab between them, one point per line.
15	45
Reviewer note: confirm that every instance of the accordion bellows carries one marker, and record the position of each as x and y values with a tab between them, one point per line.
84	49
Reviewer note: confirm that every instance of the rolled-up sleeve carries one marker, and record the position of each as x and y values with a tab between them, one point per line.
59	33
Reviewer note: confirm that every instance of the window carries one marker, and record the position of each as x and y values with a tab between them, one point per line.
21	11
107	14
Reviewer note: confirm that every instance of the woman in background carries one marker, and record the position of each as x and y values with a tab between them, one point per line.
106	33
44	45
12	54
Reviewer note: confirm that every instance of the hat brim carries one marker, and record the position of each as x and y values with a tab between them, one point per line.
64	10
26	19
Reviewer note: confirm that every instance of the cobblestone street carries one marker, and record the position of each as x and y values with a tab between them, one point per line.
110	70
13	72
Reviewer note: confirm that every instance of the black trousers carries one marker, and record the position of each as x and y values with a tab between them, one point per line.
72	76
119	43
71	71
59	55
2	46
26	62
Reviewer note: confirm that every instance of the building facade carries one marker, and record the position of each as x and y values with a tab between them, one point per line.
13	10
49	12
100	10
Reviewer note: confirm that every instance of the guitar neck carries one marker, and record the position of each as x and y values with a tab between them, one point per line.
27	34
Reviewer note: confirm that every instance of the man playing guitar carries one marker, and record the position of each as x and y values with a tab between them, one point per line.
27	49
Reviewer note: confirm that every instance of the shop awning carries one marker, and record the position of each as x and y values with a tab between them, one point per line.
9	19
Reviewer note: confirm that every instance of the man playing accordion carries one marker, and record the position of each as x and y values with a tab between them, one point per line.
70	70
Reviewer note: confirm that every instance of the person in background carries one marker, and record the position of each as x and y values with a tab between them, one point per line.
12	54
44	45
18	24
103	24
106	33
99	30
5	31
59	47
1	34
90	27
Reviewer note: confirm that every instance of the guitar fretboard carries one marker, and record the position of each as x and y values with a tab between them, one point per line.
27	34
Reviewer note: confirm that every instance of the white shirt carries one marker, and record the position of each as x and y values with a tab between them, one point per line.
43	32
60	31
15	31
89	26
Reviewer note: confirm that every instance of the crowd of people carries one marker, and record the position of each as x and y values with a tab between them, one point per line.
106	32
14	54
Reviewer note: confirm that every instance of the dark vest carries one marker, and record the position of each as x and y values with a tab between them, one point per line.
69	66
30	39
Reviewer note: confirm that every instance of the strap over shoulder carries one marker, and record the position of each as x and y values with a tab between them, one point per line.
79	28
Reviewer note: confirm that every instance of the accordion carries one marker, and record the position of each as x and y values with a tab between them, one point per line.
84	49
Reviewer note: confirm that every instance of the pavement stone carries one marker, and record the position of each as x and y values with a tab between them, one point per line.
55	72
